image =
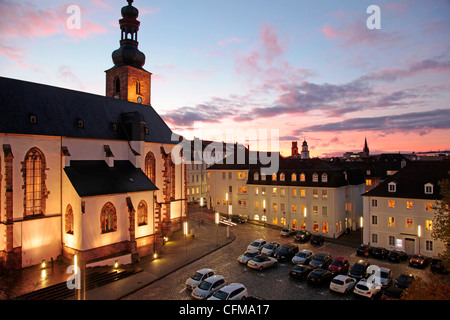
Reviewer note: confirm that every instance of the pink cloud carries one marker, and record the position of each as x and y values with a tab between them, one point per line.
228	41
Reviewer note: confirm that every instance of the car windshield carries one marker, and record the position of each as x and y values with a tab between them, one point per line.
337	263
250	254
283	250
255	243
269	246
394	254
319	257
205	285
337	281
302	254
362	287
358	267
384	274
197	276
299	268
259	259
221	295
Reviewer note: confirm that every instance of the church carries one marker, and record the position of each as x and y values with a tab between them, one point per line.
88	175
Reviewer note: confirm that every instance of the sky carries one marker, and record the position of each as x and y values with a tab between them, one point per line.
247	70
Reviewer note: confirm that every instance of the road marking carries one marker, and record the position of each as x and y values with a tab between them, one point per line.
184	289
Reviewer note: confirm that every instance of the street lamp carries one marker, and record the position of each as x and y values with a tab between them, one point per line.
217	221
185	232
419	234
361	222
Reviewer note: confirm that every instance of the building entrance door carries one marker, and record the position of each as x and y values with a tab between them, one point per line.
410	246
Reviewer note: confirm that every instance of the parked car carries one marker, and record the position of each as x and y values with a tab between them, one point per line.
342	283
302	236
418	261
198	277
300	271
392	293
288	232
257	244
384	277
248	255
359	269
317	239
286	252
238	218
364	250
321	260
404	280
303	257
367	288
270	248
262	261
208	287
397	256
320	277
379	253
339	266
437	266
234	291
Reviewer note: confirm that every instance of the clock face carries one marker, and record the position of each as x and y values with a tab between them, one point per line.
139	100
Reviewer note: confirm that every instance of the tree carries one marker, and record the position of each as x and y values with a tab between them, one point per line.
441	223
435	288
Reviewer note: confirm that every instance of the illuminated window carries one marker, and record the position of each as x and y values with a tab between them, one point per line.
142	213
391	203
391	222
409	205
282	192
150	166
315	194
303	225
256	217
325	227
69	219
294	224
409	222
368	182
315	209
256	204
274	207
108	218
324	194
263	190
324	177
275	220
282	177
274	177
34	176
274	191
315	226
256	190
218	201
294	177
294	208
283	221
302	177
302	193
294	192
264	218
429	225
428	206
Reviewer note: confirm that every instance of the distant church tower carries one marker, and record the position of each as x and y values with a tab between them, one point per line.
294	149
127	80
305	151
366	151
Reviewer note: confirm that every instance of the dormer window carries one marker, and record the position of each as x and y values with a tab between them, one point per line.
315	177
429	188
256	176
324	177
392	187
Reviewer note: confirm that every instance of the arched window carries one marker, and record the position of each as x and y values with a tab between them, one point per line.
294	177
138	87
282	177
256	176
303	225
315	177
294	224
274	177
324	177
302	177
150	166
69	219
108	218
34	178
142	213
117	85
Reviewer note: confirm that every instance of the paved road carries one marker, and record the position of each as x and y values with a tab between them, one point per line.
271	283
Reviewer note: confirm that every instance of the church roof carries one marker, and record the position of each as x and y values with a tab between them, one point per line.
37	109
94	178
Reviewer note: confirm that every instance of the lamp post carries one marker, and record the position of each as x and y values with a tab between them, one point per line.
185	232
361	222
217	220
419	234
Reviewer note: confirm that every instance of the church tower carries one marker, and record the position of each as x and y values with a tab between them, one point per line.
366	151
128	80
305	150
